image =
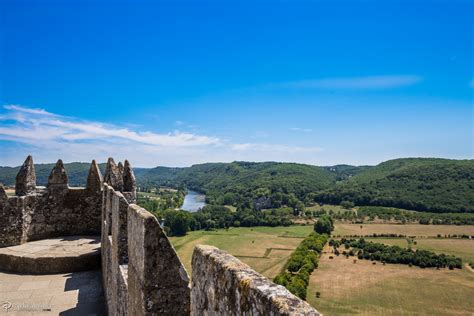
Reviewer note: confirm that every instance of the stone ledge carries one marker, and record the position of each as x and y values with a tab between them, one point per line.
222	284
56	255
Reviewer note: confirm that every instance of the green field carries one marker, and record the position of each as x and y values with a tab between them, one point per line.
265	249
393	289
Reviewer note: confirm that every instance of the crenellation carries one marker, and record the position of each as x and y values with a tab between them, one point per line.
26	178
58	177
113	176
129	181
94	178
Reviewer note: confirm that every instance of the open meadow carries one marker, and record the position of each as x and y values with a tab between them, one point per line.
365	288
265	249
393	289
404	229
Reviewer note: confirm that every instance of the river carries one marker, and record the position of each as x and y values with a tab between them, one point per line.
193	201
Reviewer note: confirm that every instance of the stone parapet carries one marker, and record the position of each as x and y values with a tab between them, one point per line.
223	285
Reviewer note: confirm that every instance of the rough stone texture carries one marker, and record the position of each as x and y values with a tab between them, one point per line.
58	177
26	178
58	255
119	229
115	251
129	182
94	178
223	285
3	194
56	211
11	225
120	168
113	176
157	280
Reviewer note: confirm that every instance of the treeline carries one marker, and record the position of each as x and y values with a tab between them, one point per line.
210	217
394	254
301	263
370	213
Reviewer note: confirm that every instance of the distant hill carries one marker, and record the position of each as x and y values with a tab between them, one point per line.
243	177
424	184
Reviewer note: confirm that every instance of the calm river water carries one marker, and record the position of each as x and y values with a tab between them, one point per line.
193	201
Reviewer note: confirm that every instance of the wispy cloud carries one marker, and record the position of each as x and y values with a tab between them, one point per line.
18	108
367	82
55	136
299	129
39	124
471	83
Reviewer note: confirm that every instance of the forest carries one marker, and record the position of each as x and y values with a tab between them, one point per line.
421	184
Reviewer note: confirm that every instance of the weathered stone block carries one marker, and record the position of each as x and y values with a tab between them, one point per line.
223	285
157	280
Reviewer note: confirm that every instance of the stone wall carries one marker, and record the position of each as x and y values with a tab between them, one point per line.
57	210
223	285
142	274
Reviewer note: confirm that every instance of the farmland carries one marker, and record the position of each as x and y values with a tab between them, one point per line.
265	249
366	288
362	287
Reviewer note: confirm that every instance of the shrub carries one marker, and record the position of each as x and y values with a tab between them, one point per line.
301	264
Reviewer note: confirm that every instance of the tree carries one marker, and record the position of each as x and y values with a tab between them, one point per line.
324	225
178	222
347	204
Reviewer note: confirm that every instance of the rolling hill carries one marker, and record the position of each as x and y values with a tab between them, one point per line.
423	184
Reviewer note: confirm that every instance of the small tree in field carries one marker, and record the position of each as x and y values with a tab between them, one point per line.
324	225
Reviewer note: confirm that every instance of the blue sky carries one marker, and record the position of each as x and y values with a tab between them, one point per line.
184	82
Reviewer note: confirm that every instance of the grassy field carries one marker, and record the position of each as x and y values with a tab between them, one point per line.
361	288
328	208
265	249
366	289
393	289
406	229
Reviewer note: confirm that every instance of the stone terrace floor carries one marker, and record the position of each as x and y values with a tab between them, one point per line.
77	293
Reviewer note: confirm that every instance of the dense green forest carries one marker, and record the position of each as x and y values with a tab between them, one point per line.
428	184
423	184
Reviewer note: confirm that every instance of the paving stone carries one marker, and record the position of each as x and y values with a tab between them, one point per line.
78	293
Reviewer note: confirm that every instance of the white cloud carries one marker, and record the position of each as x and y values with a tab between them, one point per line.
471	83
39	124
299	129
49	136
18	108
367	82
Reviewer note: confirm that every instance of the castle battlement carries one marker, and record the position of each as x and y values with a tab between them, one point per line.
141	271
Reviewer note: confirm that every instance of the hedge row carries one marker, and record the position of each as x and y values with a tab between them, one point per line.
393	254
301	263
